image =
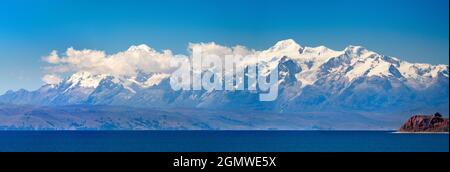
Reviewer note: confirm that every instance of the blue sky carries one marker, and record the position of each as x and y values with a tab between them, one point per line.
414	30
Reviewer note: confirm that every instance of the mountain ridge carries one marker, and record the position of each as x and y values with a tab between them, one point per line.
311	79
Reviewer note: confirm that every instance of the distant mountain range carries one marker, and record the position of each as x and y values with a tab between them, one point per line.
311	80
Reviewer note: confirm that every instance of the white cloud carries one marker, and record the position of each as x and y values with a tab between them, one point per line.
219	50
52	58
127	63
51	79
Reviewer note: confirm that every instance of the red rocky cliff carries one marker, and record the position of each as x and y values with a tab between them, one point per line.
426	123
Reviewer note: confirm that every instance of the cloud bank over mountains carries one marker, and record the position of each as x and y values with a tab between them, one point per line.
142	58
126	63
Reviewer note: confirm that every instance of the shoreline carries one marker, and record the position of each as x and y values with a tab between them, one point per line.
421	132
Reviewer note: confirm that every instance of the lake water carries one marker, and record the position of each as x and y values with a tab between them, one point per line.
221	141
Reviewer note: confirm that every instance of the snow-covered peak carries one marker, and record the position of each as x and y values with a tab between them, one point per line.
288	44
288	48
155	79
320	53
358	52
420	70
321	49
355	49
85	79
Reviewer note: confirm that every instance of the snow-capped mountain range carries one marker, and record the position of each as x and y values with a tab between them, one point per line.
311	79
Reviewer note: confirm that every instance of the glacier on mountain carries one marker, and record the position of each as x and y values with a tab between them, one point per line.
312	80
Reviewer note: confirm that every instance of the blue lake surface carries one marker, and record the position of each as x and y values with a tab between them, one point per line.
221	141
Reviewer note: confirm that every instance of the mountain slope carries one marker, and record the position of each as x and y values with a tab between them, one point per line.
311	79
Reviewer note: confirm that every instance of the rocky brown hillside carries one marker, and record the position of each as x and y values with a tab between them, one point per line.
426	123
